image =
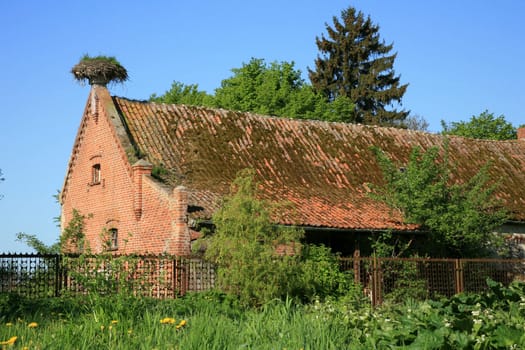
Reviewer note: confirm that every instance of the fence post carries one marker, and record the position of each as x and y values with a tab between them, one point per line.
376	282
357	267
179	267
58	268
175	277
458	269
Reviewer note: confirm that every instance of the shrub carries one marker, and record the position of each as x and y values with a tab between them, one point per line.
245	246
320	274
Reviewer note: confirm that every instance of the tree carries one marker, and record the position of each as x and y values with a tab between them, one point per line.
259	88
484	126
354	63
415	122
245	243
72	239
37	244
181	93
460	217
270	89
278	89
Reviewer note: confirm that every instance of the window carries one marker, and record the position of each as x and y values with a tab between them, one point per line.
95	174
113	239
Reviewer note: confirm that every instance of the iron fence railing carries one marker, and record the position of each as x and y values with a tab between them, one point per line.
160	276
30	274
165	276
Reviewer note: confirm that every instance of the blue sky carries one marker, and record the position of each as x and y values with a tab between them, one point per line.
459	58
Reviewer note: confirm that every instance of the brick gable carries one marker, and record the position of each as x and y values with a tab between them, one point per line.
125	198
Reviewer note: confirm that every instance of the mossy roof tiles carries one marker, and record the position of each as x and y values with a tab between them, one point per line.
322	168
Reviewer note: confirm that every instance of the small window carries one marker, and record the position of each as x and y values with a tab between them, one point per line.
95	174
113	239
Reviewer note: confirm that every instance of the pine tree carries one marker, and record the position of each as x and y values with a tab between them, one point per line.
354	63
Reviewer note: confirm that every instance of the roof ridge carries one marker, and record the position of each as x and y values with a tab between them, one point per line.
314	121
274	117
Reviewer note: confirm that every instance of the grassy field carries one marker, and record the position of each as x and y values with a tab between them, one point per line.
212	320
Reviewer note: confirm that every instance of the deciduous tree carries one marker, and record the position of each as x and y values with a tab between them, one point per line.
270	89
244	245
278	89
460	217
180	93
485	126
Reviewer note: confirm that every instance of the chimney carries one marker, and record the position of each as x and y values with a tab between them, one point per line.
140	169
521	133
179	244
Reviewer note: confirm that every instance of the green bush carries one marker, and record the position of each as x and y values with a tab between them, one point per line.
245	247
320	274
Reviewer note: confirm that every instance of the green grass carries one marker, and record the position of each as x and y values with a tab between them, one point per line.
213	321
494	320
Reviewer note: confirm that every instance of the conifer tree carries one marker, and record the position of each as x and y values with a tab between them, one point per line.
355	63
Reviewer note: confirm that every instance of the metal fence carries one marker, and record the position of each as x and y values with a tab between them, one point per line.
429	278
31	274
164	276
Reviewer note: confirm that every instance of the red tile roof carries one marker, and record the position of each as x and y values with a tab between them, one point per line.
320	167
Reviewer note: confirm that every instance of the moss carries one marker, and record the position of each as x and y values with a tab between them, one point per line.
134	154
160	172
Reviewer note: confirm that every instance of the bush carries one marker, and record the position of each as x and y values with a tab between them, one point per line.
245	246
320	274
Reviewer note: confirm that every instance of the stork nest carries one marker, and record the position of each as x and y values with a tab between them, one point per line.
99	70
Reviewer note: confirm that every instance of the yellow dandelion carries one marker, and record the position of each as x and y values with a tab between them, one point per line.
167	320
102	327
11	341
114	322
32	325
181	324
8	324
25	348
130	331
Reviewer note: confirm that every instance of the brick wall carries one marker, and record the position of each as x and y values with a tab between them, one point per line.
148	217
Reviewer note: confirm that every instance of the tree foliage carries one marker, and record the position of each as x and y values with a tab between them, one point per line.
460	217
356	64
72	239
485	126
37	244
180	93
278	89
245	245
415	122
269	89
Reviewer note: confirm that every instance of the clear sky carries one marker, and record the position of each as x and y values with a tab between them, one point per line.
460	58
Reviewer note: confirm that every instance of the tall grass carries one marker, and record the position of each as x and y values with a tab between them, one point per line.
213	321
